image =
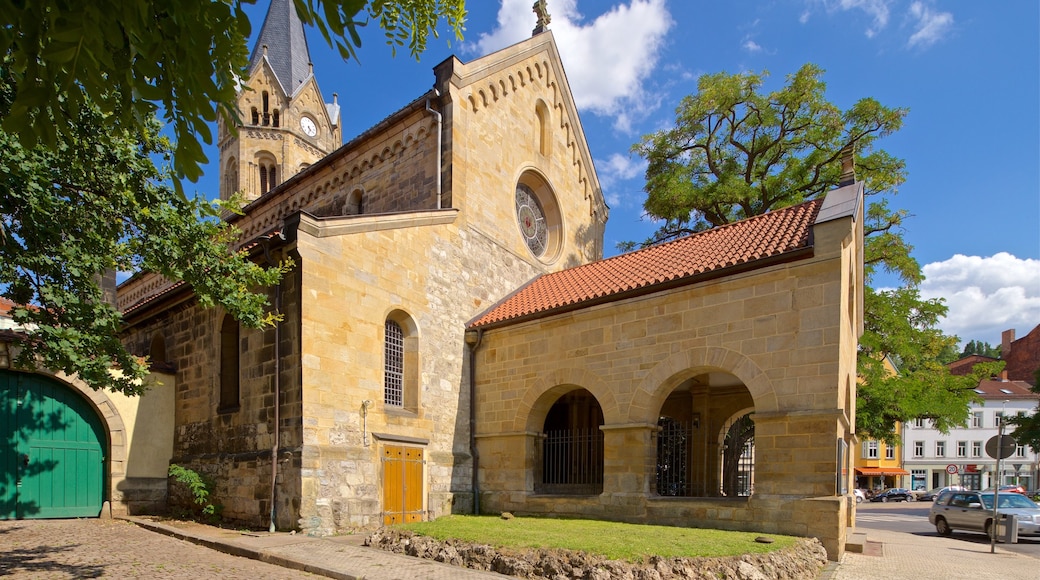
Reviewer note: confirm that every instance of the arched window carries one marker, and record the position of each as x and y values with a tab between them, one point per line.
157	350
230	178
255	115
353	205
267	112
401	363
229	360
268	177
274	118
544	126
393	384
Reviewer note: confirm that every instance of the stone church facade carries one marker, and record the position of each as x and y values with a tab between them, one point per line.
407	382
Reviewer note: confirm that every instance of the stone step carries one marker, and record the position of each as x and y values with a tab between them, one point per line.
855	542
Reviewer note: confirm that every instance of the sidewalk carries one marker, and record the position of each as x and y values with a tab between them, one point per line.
900	555
889	555
341	557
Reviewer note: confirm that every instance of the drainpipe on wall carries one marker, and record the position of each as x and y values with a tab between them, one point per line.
277	378
437	116
473	339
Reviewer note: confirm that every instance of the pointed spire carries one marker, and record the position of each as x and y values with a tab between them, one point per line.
284	44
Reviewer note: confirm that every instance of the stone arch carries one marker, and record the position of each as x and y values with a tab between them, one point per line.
540	396
669	373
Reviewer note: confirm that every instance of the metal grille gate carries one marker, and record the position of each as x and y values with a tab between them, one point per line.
673	457
572	462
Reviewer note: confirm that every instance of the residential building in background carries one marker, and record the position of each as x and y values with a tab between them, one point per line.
959	457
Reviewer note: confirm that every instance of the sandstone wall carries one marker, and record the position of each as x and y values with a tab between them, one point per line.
785	332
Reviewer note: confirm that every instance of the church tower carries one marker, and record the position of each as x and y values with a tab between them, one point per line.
286	124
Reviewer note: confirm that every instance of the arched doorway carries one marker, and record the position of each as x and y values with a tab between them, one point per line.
738	457
705	438
572	446
52	450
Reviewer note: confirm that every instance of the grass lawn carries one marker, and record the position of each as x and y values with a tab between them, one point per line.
616	541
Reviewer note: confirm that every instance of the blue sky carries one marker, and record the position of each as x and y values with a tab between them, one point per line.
968	71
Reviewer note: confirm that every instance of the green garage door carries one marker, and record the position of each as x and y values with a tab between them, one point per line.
52	462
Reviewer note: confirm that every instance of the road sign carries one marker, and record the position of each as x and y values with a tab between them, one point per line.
951	469
1007	446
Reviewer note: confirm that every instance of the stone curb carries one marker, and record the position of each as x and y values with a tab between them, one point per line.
233	549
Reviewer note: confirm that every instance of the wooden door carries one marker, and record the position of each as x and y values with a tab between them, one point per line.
52	460
402	484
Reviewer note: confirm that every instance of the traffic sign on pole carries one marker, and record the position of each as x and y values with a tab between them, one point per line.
1006	443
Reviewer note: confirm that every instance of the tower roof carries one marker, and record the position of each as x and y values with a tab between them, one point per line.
286	43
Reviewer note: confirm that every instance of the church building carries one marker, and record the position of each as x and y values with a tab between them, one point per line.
452	340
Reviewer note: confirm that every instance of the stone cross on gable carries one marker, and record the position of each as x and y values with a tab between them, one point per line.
542	11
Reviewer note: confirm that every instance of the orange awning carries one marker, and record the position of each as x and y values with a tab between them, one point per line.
881	471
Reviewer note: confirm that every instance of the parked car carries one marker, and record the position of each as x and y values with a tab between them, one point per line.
973	510
860	495
1013	489
893	494
933	493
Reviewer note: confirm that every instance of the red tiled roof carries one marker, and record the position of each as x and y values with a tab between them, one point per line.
997	389
5	307
741	243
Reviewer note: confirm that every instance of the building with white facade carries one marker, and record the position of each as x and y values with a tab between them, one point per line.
935	459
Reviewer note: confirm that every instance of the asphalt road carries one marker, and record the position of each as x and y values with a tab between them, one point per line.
912	518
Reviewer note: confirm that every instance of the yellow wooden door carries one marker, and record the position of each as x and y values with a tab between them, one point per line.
402	484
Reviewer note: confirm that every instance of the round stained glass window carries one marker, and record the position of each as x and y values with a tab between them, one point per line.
531	219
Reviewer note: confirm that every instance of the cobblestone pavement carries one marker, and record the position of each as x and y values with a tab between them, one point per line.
898	556
97	548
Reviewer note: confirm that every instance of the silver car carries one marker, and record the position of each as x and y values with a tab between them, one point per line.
973	510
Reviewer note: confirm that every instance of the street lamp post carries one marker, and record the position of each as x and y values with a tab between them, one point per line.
996	486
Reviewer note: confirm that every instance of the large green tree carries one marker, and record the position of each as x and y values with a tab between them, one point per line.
737	151
183	59
96	202
88	182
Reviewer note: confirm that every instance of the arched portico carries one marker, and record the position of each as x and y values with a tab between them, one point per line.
673	371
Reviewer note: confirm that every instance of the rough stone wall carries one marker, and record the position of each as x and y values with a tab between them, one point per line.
784	331
393	169
233	447
440	277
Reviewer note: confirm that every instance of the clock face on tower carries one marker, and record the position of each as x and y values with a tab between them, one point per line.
308	126
531	219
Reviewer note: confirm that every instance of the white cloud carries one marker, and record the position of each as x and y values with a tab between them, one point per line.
615	169
985	295
607	60
930	26
876	9
751	46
